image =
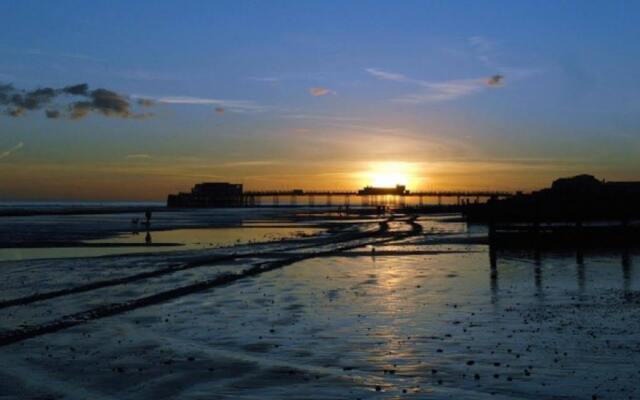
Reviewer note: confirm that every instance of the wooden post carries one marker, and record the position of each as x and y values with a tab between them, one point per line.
492	221
579	239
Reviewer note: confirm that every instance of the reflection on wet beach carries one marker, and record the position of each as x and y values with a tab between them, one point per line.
433	313
172	240
67	236
198	238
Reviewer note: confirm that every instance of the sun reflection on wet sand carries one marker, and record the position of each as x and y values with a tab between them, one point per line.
444	325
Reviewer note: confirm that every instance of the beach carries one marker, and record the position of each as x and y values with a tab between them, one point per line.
307	304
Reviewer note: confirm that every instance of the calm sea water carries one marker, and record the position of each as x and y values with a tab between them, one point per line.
62	204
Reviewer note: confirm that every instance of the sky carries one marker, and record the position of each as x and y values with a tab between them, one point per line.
121	100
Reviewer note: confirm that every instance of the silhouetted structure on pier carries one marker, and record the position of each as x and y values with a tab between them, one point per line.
579	198
576	211
399	190
213	194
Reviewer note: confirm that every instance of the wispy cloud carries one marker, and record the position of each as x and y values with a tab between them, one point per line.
444	91
250	163
7	153
386	75
484	49
224	104
75	56
436	91
320	91
305	76
266	79
145	75
146	102
140	156
322	117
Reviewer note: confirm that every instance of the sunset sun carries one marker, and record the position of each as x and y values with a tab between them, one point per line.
389	174
319	199
388	179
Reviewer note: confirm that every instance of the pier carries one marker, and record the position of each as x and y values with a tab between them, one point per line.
346	198
222	194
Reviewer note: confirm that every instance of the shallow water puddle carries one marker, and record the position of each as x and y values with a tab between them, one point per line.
161	241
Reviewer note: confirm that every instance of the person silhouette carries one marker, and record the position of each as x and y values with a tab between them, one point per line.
147	239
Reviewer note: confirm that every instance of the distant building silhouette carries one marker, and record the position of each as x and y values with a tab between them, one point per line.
209	194
580	184
581	197
398	190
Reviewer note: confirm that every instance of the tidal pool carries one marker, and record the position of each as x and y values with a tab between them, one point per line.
162	241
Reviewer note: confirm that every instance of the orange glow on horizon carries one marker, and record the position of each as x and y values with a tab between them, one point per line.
389	174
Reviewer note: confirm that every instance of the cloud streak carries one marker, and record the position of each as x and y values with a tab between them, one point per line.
76	56
320	91
437	91
7	153
495	80
140	156
386	75
484	50
228	105
266	79
444	91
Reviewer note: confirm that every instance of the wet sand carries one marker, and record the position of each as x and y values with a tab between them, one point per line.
407	308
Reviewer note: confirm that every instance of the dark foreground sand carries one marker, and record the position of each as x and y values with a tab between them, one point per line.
325	317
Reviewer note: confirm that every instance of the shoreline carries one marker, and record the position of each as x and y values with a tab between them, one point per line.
80	210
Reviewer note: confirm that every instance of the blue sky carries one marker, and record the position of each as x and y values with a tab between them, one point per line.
319	94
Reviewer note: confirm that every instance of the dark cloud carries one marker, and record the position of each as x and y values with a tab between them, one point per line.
53	114
81	89
15	112
79	109
5	93
110	103
103	101
29	100
36	99
495	80
146	102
